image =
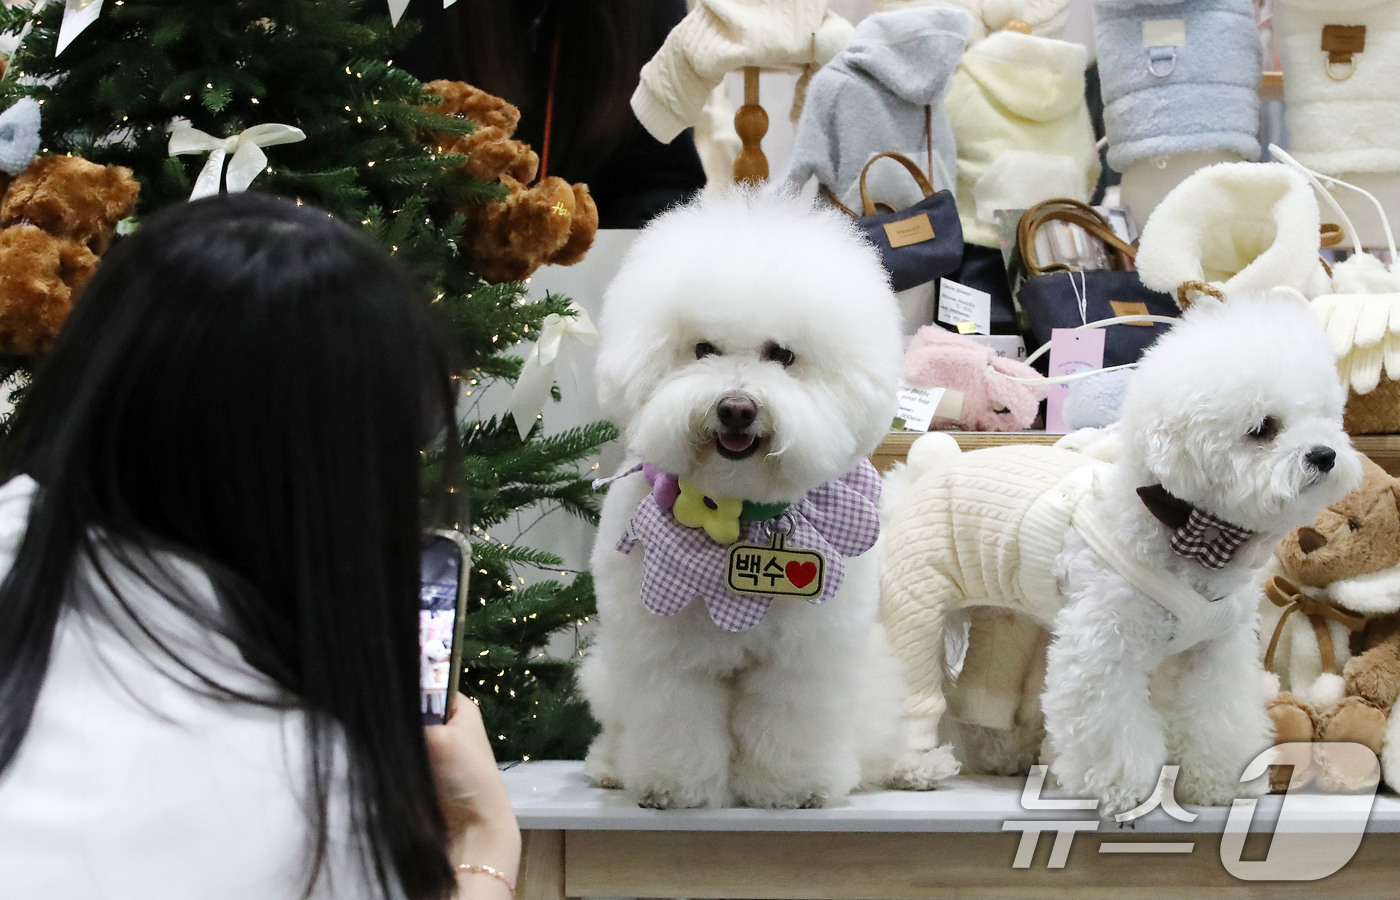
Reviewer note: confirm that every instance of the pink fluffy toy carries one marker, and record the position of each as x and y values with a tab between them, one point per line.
991	399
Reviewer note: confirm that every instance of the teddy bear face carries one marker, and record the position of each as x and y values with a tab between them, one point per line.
1357	536
72	198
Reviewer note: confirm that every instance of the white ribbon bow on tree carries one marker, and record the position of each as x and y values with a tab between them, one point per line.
537	375
244	150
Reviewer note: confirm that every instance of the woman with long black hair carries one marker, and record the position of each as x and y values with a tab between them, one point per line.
209	538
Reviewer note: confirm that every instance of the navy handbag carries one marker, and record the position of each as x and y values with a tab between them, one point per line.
917	244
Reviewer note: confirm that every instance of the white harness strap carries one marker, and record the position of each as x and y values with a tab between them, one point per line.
1197	619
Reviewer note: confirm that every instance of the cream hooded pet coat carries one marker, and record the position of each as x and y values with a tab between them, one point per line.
1017	109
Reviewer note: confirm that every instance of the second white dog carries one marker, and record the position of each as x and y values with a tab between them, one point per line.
1231	436
749	351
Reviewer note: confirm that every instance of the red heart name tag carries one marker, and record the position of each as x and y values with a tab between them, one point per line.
776	571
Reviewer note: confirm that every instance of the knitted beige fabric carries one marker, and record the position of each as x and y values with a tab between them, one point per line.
974	531
986	530
1003	666
721	36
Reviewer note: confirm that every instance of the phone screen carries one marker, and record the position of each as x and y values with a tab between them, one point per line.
440	596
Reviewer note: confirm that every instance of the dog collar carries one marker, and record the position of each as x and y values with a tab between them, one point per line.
804	544
1196	534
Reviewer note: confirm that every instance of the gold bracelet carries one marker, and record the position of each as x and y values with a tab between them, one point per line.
488	870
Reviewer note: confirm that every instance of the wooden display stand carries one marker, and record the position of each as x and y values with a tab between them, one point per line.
582	841
1383	449
751	124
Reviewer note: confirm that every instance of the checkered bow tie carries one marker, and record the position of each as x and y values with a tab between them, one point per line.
1196	534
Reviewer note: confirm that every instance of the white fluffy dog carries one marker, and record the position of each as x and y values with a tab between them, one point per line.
749	351
1232	429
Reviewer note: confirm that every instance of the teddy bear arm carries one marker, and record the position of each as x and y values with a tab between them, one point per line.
583	227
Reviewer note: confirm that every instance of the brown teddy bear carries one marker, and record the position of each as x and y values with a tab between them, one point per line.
1339	661
56	218
507	240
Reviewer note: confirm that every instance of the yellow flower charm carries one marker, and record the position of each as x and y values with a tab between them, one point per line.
719	517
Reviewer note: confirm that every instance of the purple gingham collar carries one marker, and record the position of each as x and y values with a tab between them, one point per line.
1196	534
838	519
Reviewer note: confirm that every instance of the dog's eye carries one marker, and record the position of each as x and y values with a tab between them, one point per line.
1354	524
704	349
1266	430
780	355
999	409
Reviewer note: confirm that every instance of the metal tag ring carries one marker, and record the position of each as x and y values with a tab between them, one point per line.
780	524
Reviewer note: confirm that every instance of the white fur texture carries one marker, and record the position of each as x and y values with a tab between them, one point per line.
1116	707
806	705
1240	226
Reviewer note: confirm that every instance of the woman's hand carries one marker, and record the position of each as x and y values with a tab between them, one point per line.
481	826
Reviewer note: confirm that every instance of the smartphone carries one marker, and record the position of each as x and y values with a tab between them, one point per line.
442	596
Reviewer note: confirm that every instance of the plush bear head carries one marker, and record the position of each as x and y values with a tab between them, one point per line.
69	197
1358	536
490	150
534	224
990	399
56	217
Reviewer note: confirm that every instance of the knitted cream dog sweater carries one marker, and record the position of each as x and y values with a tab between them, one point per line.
1016	105
986	530
721	36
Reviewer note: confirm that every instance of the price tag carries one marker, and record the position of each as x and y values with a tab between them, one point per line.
1071	350
959	304
916	407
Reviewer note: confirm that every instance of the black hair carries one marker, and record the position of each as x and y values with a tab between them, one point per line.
248	384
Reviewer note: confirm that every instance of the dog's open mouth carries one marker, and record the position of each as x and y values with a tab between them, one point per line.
737	444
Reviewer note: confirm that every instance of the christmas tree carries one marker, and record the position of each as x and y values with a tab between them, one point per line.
326	67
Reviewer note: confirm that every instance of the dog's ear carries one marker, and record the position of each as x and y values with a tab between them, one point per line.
629	368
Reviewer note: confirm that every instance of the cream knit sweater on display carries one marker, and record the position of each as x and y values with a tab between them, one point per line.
722	36
130	785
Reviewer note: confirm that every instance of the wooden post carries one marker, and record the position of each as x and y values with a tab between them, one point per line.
541	866
751	122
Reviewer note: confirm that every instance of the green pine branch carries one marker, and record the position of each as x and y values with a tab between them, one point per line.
324	66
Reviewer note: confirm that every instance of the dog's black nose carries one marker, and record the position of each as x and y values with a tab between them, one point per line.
737	411
1321	458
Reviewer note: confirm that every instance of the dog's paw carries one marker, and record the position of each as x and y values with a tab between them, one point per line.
599	770
922	770
1119	788
1215	791
672	794
778	797
657	799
